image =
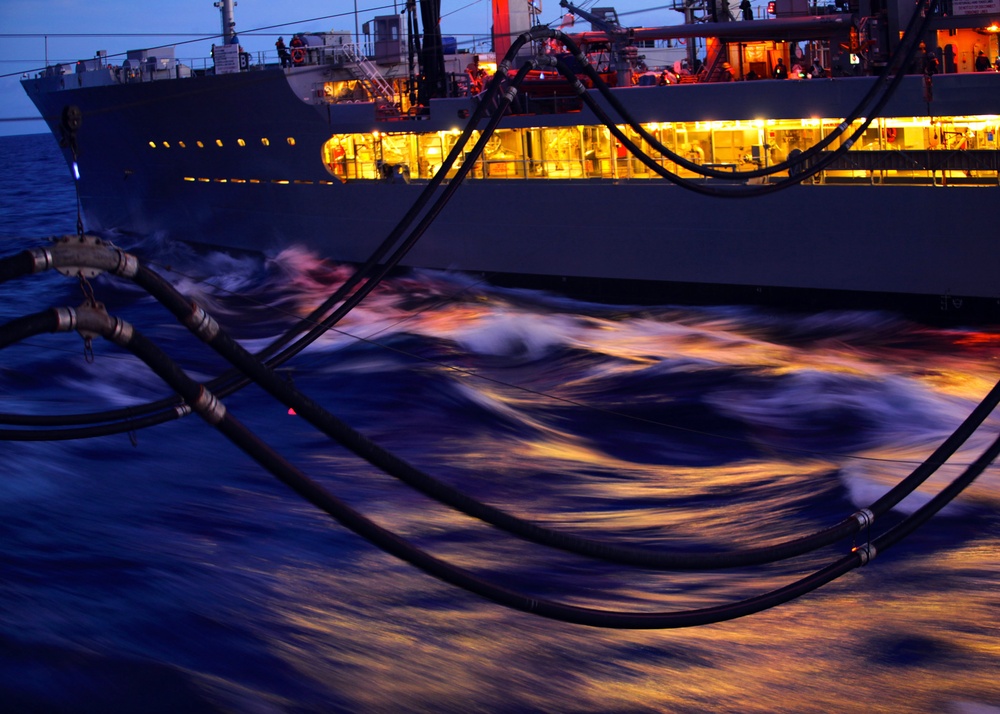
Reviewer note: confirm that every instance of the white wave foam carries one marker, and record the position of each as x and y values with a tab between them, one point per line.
509	333
863	490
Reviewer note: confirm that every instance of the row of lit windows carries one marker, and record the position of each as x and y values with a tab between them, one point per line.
592	152
218	142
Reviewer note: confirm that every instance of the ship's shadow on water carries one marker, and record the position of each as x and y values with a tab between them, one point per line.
169	572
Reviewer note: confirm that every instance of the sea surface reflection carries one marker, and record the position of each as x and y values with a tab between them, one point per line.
175	574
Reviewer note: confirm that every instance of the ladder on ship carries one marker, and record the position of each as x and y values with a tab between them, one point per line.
716	53
365	71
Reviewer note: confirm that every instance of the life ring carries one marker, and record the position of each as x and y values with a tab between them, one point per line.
298	55
890	134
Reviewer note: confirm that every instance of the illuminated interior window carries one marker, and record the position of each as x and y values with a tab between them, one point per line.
200	145
241	142
291	141
182	144
218	142
591	151
265	141
152	145
166	144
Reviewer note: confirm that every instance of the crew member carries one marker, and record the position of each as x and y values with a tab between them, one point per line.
298	50
477	75
283	56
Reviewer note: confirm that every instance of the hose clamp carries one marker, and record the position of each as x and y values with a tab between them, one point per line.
121	332
864	517
209	407
65	319
128	264
201	323
41	259
866	552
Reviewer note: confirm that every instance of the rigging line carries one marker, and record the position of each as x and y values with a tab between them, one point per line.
645	10
215	413
464	7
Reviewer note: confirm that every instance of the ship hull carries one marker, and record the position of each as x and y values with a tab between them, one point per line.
928	241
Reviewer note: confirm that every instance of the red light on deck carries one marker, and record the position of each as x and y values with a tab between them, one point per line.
291	412
770	8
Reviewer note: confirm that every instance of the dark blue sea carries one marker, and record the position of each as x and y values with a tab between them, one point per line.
163	570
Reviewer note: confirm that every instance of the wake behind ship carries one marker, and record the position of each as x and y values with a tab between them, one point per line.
328	143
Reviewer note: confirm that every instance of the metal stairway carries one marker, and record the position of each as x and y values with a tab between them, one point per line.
367	73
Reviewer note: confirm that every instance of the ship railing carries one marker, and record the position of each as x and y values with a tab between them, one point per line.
363	69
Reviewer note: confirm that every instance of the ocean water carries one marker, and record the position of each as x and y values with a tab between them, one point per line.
163	570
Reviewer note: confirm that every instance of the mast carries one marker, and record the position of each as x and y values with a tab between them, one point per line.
433	80
228	20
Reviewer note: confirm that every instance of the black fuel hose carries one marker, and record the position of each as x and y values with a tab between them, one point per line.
215	413
206	329
902	57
